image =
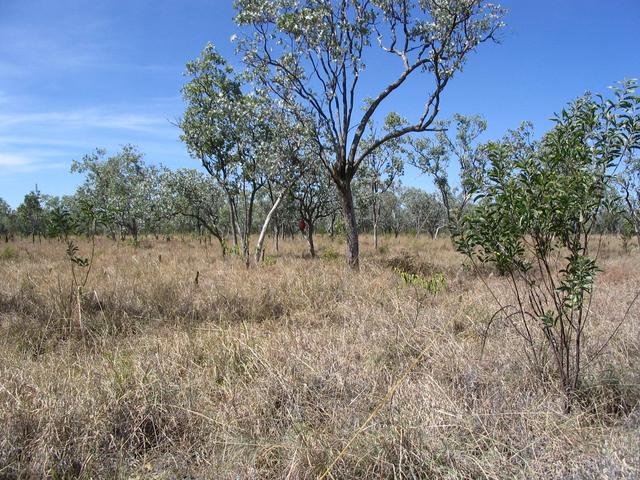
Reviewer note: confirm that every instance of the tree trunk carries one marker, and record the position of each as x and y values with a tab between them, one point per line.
233	218
134	231
276	238
265	227
375	225
219	236
375	235
351	226
396	225
312	249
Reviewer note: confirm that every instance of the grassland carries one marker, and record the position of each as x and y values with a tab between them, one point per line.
270	372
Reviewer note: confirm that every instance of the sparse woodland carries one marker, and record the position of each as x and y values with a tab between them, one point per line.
287	308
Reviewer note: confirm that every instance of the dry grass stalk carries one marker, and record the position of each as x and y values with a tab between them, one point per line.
269	372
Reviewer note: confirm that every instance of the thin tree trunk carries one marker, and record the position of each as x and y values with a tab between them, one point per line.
276	237
248	223
233	218
375	224
265	227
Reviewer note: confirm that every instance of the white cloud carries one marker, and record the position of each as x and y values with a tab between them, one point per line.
87	118
40	140
27	163
11	160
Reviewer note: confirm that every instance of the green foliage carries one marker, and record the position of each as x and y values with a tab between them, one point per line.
536	211
330	254
244	139
194	195
30	214
6	218
312	55
339	228
423	211
628	183
626	234
73	257
269	260
60	222
120	192
433	157
433	285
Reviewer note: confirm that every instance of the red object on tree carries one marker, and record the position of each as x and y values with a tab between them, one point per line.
302	225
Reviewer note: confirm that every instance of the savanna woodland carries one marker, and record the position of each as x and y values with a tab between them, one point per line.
287	308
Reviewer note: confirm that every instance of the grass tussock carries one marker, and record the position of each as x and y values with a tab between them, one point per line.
268	372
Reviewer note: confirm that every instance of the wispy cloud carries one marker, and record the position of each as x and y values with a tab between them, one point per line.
10	160
87	118
35	140
20	163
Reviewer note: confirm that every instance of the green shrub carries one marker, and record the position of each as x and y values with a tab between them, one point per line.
433	285
535	215
330	254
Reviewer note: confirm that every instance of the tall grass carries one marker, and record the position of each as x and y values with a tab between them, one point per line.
269	372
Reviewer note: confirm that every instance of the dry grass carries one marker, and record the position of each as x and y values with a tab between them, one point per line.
268	372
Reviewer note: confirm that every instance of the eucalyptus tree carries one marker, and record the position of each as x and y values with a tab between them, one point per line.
244	139
629	186
432	156
121	190
225	129
30	216
380	169
285	161
315	198
312	55
191	194
424	211
392	213
6	220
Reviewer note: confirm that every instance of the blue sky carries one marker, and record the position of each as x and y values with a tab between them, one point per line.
76	75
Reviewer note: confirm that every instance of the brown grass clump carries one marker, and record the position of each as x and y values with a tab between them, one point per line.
268	372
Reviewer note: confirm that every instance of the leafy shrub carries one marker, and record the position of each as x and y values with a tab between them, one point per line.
434	285
536	210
